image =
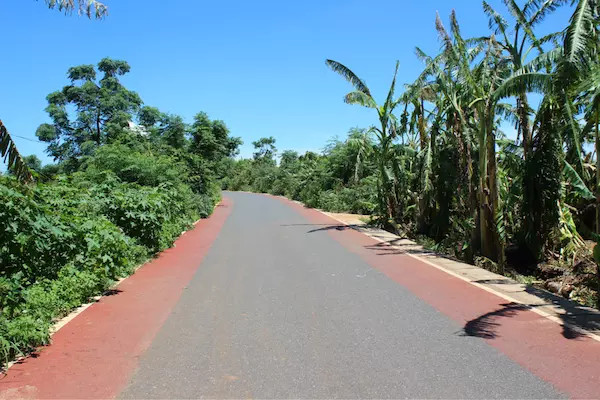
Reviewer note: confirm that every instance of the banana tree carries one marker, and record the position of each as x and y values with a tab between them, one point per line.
386	132
517	43
360	141
480	81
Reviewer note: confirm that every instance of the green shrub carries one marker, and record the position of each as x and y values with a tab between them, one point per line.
66	241
26	326
153	216
39	239
33	241
143	168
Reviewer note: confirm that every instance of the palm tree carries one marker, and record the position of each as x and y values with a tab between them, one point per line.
386	132
11	155
516	48
88	7
452	118
481	80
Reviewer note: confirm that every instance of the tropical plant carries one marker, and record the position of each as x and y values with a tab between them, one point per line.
386	132
14	160
91	8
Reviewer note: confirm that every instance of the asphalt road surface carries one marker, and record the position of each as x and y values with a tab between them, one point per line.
280	309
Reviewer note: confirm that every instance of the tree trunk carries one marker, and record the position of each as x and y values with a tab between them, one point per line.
481	194
384	195
98	131
522	107
471	205
488	193
496	248
597	137
422	127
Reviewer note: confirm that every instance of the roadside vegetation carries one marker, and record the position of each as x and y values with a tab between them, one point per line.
128	179
437	165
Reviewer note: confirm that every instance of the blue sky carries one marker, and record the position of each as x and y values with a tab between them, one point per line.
259	66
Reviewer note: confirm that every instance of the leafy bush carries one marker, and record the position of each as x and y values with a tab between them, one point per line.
129	180
141	167
33	241
154	216
66	241
26	326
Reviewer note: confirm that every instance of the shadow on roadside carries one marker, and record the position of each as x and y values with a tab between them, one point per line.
572	314
326	227
398	247
486	325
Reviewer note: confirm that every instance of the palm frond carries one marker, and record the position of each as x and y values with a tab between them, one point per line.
11	155
87	7
496	22
544	60
519	16
573	131
360	98
350	76
540	10
421	55
551	37
590	82
444	36
577	183
579	30
427	170
390	97
462	53
520	82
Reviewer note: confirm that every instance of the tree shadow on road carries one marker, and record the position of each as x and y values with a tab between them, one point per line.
485	326
326	227
402	246
574	317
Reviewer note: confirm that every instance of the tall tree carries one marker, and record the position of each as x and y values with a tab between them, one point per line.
482	79
265	150
88	112
211	140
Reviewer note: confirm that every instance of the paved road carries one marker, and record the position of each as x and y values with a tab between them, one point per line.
280	309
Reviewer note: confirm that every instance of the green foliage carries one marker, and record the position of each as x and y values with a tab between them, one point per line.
121	192
16	164
145	168
542	184
339	180
68	240
103	107
154	216
265	149
211	140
